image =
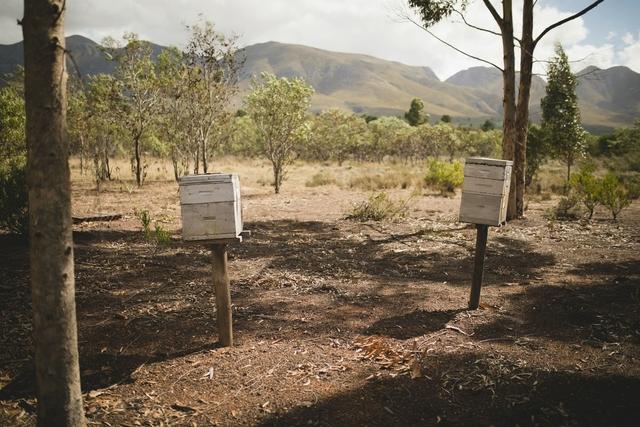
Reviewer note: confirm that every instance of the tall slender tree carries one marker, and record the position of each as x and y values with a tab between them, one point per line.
50	227
560	112
515	105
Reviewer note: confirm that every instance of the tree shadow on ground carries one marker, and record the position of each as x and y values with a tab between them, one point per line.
313	247
544	398
137	303
595	313
413	324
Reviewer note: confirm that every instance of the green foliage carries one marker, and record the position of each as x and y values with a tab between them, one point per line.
379	207
13	196
13	186
12	123
161	236
445	118
488	125
444	176
560	112
433	11
567	207
622	148
145	221
369	118
614	195
416	116
387	134
537	152
279	108
587	187
158	235
335	135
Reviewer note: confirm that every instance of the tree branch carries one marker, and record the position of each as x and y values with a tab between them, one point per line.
486	30
450	45
494	12
565	20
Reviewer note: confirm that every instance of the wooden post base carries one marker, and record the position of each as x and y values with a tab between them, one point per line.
478	267
223	293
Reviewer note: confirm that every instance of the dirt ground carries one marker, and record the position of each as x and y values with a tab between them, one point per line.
338	322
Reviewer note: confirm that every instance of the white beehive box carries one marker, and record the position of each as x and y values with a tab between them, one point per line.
485	191
210	206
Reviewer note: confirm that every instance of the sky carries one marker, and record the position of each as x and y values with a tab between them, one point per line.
607	36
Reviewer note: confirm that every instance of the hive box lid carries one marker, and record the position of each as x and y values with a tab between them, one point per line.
207	178
487	161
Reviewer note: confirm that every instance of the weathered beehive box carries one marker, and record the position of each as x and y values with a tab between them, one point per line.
485	191
211	207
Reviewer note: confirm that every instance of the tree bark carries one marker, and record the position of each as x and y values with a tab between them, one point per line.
50	226
136	149
522	110
509	100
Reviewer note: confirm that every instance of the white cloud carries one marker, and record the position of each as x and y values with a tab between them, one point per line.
359	26
630	55
628	38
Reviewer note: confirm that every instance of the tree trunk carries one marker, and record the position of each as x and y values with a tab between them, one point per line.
50	226
174	162
522	113
277	177
81	154
509	100
136	149
204	155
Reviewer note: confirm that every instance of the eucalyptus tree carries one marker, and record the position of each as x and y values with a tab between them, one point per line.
213	63
104	129
173	121
139	93
50	227
335	135
515	104
279	108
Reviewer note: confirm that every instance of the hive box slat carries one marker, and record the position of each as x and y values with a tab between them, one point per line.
483	186
211	207
485	191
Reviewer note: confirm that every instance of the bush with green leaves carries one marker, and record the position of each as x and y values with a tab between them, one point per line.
13	150
158	235
614	195
13	196
587	187
379	207
444	176
568	207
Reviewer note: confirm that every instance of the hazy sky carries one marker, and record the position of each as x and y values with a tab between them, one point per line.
609	35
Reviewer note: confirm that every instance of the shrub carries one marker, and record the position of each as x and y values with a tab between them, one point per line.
567	208
379	207
13	196
614	195
145	220
158	235
319	179
587	188
444	176
383	181
162	236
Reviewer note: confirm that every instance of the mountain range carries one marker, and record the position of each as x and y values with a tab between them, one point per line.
364	84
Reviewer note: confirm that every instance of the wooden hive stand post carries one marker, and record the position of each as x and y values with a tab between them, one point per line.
478	266
223	293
